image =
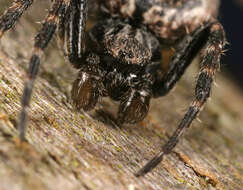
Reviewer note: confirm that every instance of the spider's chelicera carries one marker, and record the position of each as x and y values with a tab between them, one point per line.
120	56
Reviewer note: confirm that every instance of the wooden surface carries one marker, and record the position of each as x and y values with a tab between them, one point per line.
72	150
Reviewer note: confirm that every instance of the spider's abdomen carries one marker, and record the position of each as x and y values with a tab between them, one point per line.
167	19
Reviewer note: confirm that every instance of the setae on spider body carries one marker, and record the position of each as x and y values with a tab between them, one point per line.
120	56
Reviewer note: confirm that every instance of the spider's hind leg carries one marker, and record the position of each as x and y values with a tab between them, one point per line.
12	14
209	40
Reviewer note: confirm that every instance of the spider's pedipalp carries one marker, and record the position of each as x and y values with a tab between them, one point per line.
12	14
85	91
210	61
134	107
87	87
41	41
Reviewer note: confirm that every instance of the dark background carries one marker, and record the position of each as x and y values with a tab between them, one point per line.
231	16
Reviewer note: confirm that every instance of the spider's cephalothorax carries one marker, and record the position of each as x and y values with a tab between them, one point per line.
120	56
117	67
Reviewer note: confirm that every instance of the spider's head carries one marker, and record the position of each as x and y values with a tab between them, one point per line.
126	45
123	41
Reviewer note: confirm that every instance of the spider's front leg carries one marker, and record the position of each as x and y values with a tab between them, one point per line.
209	40
76	17
41	41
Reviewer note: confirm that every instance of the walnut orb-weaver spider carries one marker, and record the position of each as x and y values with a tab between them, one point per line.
120	56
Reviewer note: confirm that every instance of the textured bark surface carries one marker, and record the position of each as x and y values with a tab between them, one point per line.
68	149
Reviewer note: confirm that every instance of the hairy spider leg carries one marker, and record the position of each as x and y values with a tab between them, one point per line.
209	40
12	14
61	27
186	51
75	31
41	41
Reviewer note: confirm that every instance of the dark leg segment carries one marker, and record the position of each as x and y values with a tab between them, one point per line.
185	53
12	14
61	28
210	62
41	41
76	31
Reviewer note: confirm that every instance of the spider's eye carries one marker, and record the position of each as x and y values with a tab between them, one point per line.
130	54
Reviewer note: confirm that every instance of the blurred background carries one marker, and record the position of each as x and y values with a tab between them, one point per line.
231	16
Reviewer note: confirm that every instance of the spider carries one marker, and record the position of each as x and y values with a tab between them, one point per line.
120	56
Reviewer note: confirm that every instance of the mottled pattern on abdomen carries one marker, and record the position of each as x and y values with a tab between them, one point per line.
167	19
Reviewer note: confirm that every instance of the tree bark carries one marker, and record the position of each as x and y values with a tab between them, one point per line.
70	149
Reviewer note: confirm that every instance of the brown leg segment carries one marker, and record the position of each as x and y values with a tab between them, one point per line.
12	14
134	106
